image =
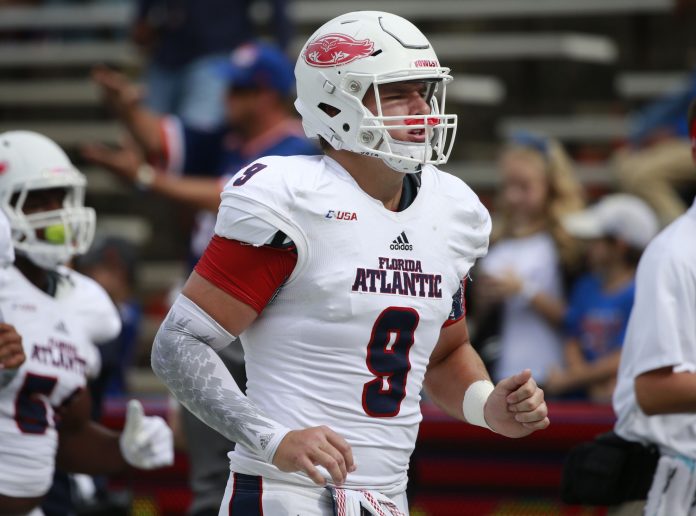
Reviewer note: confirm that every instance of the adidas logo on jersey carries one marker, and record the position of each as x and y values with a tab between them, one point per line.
61	327
401	243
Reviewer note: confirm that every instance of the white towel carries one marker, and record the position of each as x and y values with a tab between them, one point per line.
673	491
358	502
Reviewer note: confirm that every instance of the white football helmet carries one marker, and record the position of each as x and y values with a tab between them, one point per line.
349	55
30	161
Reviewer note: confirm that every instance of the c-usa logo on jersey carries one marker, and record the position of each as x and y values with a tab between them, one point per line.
341	215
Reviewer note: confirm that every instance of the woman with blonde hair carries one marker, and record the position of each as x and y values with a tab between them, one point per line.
531	254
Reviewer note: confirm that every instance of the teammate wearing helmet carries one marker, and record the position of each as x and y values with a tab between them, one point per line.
343	274
60	315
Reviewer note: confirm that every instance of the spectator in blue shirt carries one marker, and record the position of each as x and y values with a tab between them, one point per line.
616	231
183	37
191	165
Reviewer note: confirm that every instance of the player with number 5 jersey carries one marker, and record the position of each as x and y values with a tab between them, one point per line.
59	315
59	356
343	275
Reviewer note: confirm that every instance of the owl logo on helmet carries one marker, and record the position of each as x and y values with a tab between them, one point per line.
48	237
336	49
357	52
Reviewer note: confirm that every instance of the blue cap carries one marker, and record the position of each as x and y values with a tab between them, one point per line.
259	65
531	140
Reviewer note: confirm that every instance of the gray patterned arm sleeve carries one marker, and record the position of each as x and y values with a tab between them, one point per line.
184	357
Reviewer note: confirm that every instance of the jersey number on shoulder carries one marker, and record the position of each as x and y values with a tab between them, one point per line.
387	358
248	173
31	414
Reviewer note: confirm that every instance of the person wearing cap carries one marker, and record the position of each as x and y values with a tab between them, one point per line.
190	165
181	38
616	230
655	396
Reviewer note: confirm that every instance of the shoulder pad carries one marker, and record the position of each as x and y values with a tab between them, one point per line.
259	200
90	304
470	218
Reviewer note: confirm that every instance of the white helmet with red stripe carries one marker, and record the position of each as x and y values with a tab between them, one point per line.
355	52
29	162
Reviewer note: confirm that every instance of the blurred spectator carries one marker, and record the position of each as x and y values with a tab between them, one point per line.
184	38
657	163
523	273
111	262
616	231
193	164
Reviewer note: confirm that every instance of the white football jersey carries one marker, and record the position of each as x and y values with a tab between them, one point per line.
58	356
346	341
87	299
6	249
661	333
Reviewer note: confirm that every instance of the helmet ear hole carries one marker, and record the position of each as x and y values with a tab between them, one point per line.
330	110
346	127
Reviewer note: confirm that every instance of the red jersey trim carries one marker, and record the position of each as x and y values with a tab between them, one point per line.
248	273
458	306
450	322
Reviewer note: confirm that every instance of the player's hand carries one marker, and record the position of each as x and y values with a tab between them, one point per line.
11	350
123	162
302	450
555	382
516	407
146	441
503	286
117	91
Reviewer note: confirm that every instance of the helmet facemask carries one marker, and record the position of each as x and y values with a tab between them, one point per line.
374	138
52	237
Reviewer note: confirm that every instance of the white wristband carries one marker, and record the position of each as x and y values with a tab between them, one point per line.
144	177
474	400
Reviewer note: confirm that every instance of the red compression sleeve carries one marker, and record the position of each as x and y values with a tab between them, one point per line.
248	273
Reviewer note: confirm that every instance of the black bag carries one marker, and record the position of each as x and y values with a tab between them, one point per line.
608	471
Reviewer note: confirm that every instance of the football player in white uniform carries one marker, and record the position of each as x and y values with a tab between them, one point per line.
11	350
44	409
343	274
